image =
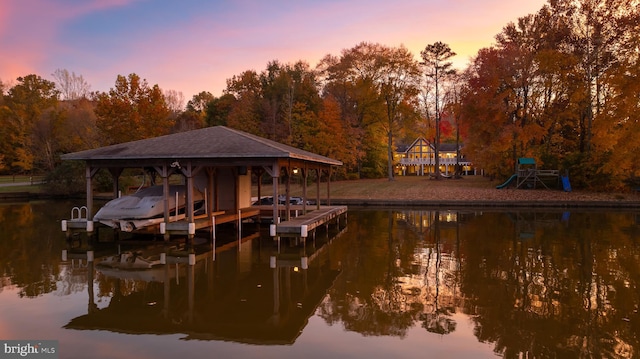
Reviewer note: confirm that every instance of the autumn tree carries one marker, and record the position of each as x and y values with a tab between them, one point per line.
453	111
505	99
330	138
2	113
435	58
217	109
275	87
174	101
288	94
483	114
29	105
183	120
304	105
70	85
398	90
275	103
198	104
353	91
375	86
77	129
244	108
132	110
608	31
193	116
559	86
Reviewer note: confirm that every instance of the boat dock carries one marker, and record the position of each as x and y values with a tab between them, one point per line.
216	166
302	225
208	221
298	226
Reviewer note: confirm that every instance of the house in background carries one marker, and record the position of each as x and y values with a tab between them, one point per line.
419	159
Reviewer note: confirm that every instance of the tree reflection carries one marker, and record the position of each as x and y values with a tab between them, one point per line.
438	319
28	233
370	296
535	284
417	284
553	294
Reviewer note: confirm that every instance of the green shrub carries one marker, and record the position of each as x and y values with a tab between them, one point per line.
66	179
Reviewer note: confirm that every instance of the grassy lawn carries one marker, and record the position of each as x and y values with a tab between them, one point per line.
469	188
6	184
383	188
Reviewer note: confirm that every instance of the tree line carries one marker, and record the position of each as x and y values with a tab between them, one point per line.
560	85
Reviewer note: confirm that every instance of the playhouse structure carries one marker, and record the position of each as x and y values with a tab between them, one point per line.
529	176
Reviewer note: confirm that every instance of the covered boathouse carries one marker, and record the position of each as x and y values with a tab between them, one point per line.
228	158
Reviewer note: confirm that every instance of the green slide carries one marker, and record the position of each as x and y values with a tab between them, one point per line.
507	182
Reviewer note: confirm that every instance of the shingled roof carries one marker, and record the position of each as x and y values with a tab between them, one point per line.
210	143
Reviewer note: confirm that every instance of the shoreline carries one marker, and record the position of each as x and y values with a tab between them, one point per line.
486	204
472	191
469	192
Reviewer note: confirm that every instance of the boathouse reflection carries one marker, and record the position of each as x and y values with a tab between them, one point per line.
250	293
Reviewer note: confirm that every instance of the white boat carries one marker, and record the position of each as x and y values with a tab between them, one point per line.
133	265
129	260
146	208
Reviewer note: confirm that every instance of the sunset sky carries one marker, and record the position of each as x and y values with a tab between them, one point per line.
192	46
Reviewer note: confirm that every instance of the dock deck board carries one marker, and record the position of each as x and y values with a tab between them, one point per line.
311	220
204	221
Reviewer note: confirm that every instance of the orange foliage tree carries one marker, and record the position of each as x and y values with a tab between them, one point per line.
132	111
559	86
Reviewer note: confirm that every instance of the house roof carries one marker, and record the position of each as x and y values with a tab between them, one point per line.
448	147
210	143
444	147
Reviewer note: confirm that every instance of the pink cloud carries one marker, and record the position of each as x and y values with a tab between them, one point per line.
37	22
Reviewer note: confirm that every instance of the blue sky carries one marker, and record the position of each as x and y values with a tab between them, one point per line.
196	45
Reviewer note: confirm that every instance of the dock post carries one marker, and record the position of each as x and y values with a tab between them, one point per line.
239	226
191	232
163	258
163	231
213	237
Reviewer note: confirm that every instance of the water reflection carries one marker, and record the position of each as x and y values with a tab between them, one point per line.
533	283
250	291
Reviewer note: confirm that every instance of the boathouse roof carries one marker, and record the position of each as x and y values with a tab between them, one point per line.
209	144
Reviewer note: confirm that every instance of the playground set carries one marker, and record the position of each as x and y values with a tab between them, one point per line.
528	176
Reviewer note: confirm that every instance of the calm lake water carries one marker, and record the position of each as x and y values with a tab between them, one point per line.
401	283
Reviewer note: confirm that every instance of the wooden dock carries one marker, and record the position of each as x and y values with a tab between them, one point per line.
302	225
185	228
